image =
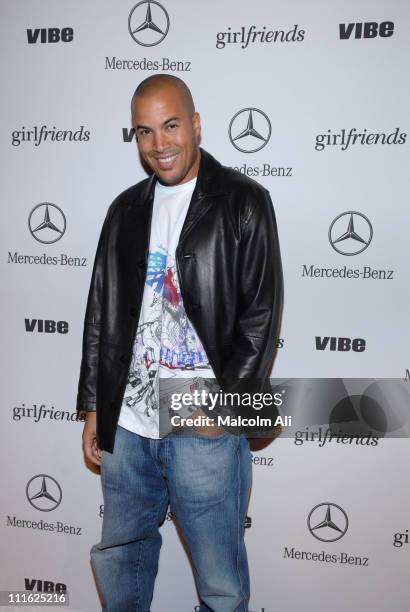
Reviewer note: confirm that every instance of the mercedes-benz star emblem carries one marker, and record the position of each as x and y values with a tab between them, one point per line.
327	522
46	226
249	130
44	493
350	233
148	25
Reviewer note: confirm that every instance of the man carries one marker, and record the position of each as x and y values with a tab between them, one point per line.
187	280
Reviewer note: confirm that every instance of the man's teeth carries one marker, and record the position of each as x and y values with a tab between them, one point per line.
166	160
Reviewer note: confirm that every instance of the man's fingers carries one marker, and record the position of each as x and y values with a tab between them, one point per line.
93	455
96	452
91	450
90	447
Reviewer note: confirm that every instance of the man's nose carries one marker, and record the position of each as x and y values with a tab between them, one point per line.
160	141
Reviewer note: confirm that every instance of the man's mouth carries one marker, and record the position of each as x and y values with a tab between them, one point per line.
166	161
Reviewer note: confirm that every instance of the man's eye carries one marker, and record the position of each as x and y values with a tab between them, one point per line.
172	126
143	132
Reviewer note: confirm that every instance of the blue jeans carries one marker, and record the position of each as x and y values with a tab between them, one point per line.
207	482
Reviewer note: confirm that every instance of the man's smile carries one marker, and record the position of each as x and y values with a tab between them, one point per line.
167	161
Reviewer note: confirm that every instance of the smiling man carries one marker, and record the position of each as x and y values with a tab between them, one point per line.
187	283
169	145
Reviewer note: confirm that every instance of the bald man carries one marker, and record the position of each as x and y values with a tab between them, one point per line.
186	286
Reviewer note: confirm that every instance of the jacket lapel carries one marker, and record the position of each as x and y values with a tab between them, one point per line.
209	184
133	242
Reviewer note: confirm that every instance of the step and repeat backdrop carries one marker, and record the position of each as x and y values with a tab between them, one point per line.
311	99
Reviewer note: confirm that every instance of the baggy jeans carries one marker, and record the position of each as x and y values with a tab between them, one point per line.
206	480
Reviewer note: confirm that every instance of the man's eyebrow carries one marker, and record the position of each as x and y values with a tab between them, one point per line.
171	119
145	127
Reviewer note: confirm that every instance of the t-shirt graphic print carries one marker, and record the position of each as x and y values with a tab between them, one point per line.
166	344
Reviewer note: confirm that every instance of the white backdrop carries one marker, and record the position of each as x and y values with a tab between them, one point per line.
321	80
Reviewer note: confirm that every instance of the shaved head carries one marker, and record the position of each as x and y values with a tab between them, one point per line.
156	83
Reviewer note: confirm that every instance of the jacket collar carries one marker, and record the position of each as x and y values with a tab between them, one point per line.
209	184
210	177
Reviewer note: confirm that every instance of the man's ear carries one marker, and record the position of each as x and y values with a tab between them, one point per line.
196	124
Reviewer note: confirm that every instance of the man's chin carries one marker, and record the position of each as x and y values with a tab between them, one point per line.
168	179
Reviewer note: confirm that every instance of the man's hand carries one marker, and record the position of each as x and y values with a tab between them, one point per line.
90	448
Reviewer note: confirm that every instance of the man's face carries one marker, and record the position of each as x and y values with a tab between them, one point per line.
168	136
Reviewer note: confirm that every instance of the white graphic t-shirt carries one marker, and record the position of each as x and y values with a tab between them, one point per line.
166	344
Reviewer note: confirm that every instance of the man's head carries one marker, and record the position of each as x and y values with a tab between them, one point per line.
167	128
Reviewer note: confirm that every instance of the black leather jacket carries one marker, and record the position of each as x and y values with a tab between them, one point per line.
230	276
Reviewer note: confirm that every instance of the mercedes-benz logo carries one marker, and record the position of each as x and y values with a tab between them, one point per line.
44	226
249	130
148	25
44	493
329	520
350	233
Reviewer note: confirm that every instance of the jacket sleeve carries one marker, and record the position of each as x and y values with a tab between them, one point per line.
87	385
261	296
